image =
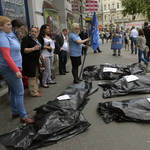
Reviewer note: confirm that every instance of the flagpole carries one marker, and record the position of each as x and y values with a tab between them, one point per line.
83	63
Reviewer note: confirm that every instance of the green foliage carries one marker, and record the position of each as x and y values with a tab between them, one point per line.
132	7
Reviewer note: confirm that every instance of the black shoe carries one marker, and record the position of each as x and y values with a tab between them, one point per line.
80	79
99	51
95	51
114	54
66	72
118	54
76	81
62	73
131	52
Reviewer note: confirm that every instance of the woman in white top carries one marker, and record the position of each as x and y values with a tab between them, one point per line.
141	43
47	51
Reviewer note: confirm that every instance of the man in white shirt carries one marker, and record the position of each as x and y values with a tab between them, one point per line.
134	37
61	47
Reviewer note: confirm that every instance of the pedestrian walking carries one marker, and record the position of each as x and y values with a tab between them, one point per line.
61	47
75	49
133	37
127	39
10	66
141	43
146	30
47	46
116	43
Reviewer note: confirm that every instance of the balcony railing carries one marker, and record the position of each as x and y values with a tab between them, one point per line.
122	20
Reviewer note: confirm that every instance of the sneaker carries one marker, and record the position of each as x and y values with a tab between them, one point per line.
114	54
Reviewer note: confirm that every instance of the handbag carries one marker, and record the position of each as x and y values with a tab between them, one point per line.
49	49
146	48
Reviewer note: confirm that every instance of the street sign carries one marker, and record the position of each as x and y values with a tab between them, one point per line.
74	7
91	6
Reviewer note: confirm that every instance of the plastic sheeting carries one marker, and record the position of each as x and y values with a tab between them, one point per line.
107	71
136	110
123	87
55	121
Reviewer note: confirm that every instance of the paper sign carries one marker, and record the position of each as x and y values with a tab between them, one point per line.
148	99
107	69
131	78
52	44
63	97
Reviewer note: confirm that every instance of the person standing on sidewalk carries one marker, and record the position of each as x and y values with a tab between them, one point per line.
83	35
75	49
133	36
107	36
146	30
47	46
127	39
141	43
116	42
10	66
102	36
61	47
30	49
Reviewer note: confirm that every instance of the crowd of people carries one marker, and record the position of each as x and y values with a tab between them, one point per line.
140	41
24	57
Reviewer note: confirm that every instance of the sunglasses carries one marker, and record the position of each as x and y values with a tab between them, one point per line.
34	26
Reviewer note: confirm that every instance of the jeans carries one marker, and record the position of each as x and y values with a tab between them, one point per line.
140	56
46	77
133	40
16	91
62	61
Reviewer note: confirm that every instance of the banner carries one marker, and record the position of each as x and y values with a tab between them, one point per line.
91	6
74	7
94	33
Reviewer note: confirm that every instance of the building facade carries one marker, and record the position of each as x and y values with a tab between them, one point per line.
112	16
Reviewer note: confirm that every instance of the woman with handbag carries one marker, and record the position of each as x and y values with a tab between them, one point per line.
47	51
141	43
30	49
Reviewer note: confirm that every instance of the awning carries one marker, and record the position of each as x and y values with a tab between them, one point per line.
49	5
70	15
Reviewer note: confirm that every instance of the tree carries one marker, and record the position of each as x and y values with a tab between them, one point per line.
132	7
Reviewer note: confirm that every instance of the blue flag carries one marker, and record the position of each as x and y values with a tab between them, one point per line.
95	40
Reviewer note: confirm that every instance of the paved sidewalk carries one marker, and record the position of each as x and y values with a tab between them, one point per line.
99	136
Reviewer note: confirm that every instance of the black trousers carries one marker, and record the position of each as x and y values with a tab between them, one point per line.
62	61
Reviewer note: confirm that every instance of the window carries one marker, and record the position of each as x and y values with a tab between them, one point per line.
108	6
138	15
105	17
99	1
118	16
113	16
117	5
104	7
113	5
127	17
